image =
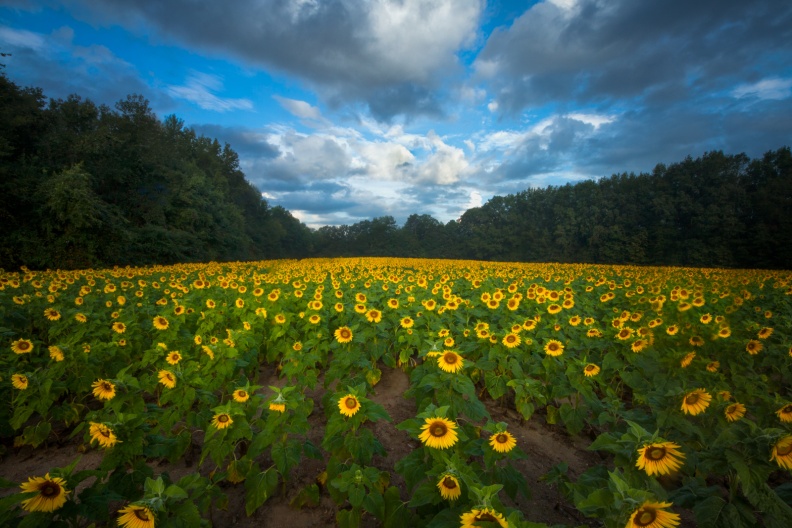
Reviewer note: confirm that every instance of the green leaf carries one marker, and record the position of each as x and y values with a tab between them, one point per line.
175	492
154	487
425	493
309	496
259	488
356	494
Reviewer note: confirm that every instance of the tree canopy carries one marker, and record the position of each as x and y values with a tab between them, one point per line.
86	185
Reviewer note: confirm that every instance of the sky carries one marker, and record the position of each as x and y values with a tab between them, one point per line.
347	110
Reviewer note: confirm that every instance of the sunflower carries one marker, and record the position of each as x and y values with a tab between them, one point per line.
167	378
591	370
511	340
687	360
713	366
160	323
785	413
734	412
449	487
338	307
672	330
360	308
52	314
22	346
314	319
173	357
638	345
696	340
653	515
102	434
782	452
487	515
439	433
103	389
554	348
277	407
241	395
502	442
553	308
696	401
19	381
51	493
80	318
754	347
374	316
662	458
450	361
343	334
765	332
279	319
134	516
222	420
348	405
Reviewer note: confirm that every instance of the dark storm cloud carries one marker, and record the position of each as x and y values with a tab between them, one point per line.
604	51
350	50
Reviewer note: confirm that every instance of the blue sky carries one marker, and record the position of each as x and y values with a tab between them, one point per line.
346	110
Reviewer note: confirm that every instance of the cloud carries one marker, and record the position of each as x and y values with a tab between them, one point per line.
20	38
597	52
773	88
198	90
388	54
299	109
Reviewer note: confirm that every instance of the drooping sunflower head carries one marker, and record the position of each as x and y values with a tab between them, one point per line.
653	515
222	420
348	405
696	402
50	493
660	458
438	433
450	361
136	516
502	442
449	487
103	389
277	407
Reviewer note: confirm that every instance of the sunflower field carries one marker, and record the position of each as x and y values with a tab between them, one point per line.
678	379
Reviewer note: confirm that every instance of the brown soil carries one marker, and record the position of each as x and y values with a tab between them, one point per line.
544	444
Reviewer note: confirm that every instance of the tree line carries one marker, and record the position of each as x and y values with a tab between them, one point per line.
86	185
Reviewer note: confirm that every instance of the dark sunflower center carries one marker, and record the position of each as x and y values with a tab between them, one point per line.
107	387
350	403
486	517
501	438
656	453
242	394
787	409
692	399
345	334
449	483
23	345
50	489
645	517
141	514
553	347
510	339
784	450
590	368
223	418
450	358
438	429
104	432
